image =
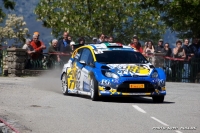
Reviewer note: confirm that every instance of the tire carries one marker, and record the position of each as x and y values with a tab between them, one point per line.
64	84
158	99
94	89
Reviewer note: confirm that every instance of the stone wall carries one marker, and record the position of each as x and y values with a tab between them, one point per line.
14	62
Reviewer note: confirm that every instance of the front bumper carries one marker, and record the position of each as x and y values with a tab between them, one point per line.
114	92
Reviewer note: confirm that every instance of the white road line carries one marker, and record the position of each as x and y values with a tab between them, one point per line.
139	109
179	131
159	121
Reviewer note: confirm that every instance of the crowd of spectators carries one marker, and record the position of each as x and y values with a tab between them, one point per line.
61	50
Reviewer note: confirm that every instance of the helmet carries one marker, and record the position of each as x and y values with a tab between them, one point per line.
36	33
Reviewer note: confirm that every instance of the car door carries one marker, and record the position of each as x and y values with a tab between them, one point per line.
72	74
86	65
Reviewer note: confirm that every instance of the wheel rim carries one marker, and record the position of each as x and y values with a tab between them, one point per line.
92	88
64	83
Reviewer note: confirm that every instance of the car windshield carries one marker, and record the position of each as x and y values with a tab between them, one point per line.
120	57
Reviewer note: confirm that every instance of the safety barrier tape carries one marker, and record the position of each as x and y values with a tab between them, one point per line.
8	125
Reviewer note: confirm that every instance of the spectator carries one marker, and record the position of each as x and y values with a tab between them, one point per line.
195	67
111	39
195	48
149	48
101	38
29	49
179	52
106	39
135	44
38	47
187	66
177	66
159	48
64	47
145	47
81	42
167	50
95	40
69	38
53	50
187	49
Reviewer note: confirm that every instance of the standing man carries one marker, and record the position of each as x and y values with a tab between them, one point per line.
38	47
135	44
64	47
188	50
30	51
159	48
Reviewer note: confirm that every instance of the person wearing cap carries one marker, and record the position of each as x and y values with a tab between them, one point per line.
95	40
38	47
36	33
135	44
159	48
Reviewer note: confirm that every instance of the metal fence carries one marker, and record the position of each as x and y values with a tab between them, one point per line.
176	69
46	62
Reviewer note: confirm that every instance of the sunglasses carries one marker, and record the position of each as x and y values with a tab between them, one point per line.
35	38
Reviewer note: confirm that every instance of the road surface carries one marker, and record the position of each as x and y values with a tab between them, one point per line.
36	105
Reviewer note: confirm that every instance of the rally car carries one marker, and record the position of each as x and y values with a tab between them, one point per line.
112	69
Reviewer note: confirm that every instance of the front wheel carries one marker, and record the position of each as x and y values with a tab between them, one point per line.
64	84
158	99
94	89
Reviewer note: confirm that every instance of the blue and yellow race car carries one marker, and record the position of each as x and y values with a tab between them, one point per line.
112	69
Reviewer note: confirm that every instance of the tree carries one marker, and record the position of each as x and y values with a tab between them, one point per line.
14	28
8	4
121	19
180	16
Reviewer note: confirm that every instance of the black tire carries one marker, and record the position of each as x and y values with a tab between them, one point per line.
64	84
94	89
158	99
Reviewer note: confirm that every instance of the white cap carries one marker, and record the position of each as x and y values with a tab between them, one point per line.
72	43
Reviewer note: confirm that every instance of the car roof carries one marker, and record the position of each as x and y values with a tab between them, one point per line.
110	46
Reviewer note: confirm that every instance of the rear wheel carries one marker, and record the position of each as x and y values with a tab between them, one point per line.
158	99
94	89
64	84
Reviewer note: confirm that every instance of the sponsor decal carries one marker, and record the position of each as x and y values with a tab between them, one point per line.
98	51
127	69
105	82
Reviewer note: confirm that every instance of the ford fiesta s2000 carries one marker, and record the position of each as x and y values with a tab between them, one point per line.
111	69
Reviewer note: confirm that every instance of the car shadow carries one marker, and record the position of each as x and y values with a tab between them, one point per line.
135	99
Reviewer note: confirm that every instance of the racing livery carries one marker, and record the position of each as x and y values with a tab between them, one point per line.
111	69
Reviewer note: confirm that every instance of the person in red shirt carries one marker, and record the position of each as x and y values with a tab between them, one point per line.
135	44
38	47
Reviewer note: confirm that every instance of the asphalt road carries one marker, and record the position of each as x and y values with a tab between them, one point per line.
36	105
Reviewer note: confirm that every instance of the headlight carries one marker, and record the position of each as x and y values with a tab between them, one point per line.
111	75
154	75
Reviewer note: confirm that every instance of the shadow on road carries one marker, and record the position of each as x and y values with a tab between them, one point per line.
136	99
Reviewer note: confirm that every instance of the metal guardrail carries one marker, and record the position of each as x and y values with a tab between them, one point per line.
46	62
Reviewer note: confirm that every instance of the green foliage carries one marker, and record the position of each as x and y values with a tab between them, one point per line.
8	4
181	16
119	18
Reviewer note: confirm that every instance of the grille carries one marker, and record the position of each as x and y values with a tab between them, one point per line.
124	87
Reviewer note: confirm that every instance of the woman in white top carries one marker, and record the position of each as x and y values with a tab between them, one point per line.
149	48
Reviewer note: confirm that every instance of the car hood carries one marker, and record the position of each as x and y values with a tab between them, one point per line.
126	70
